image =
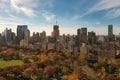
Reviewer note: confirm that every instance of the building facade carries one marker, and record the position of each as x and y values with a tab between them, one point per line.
56	31
110	33
21	32
91	37
81	36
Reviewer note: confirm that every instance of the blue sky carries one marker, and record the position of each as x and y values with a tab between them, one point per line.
41	15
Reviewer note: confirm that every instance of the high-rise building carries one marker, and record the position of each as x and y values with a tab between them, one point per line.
36	37
83	31
91	37
21	32
110	33
27	35
78	31
56	31
81	36
42	36
8	35
25	41
2	40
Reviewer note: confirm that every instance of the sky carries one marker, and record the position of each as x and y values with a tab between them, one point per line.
41	15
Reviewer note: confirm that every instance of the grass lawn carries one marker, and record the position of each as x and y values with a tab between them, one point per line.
10	63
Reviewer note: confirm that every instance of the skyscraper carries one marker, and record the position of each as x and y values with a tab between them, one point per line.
8	35
27	37
91	37
21	32
78	31
81	36
56	31
25	42
110	32
43	36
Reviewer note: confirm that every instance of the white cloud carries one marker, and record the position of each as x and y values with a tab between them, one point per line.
29	12
106	5
114	13
75	17
98	23
50	17
28	6
48	3
24	6
3	3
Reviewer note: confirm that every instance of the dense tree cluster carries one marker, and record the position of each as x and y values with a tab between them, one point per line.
55	66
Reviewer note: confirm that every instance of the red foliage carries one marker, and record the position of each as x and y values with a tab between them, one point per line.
50	70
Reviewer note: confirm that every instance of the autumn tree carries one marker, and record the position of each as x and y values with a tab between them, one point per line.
50	71
2	78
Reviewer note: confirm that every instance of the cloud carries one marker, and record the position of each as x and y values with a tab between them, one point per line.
25	6
105	5
50	17
114	13
12	21
110	5
75	17
30	8
3	3
98	23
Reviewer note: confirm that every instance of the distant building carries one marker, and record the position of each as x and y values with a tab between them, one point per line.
81	36
13	37
110	33
35	37
2	40
50	46
22	42
43	36
37	45
64	41
58	46
100	39
7	35
21	32
25	41
56	31
43	46
91	37
51	39
71	43
83	48
27	36
78	31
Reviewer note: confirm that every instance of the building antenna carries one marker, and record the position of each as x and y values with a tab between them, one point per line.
56	20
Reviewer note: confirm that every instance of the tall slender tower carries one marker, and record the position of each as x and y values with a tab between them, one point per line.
8	35
110	32
55	30
27	37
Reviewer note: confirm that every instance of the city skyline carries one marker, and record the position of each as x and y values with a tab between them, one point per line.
40	15
110	31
